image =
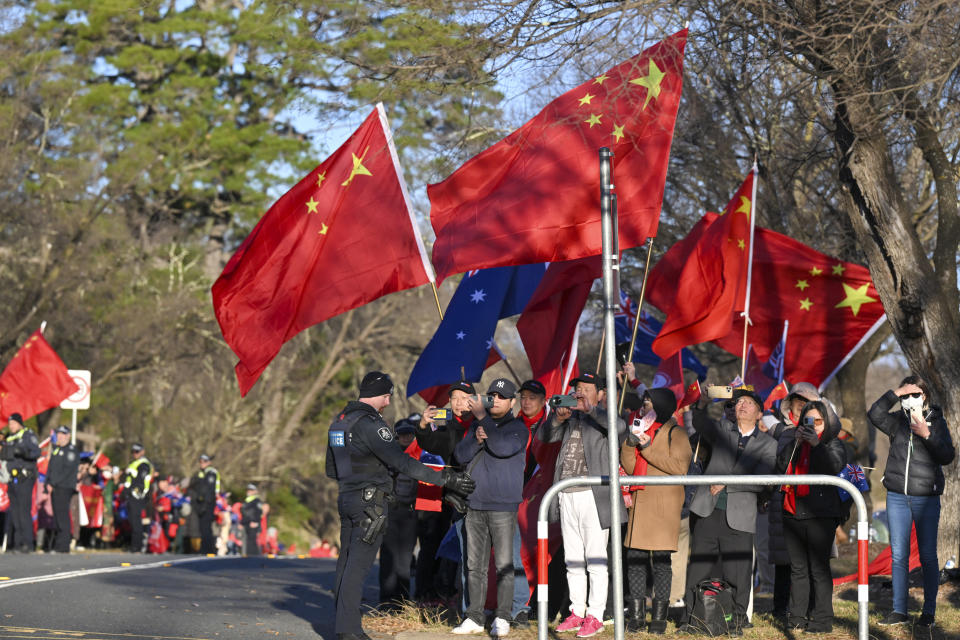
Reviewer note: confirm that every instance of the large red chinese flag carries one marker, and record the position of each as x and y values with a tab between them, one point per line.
712	279
343	236
832	306
535	195
34	381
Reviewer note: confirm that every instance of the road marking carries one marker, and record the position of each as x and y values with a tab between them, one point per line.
90	572
31	632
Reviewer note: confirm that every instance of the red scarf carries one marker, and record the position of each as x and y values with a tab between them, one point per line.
792	492
640	464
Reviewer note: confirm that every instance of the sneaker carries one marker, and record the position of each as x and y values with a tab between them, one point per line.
499	628
894	617
572	623
468	626
925	620
521	620
590	627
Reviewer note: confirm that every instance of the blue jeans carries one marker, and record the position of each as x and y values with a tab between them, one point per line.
924	511
521	588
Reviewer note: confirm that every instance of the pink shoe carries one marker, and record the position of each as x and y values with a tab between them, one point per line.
572	623
590	627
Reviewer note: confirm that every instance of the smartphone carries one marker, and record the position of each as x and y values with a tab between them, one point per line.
441	416
719	391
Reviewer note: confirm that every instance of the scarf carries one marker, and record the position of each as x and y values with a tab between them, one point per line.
640	464
802	467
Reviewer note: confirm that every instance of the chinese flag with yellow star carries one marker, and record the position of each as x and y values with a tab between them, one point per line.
535	195
341	237
710	270
832	307
34	380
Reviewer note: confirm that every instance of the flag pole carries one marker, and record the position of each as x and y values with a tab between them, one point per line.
636	320
436	298
746	305
603	337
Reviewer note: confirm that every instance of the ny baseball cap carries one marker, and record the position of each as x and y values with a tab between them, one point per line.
504	387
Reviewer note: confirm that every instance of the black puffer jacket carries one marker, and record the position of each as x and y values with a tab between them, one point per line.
829	457
914	463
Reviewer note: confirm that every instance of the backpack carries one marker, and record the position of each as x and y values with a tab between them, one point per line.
713	608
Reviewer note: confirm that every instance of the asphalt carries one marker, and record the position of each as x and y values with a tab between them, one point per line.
113	596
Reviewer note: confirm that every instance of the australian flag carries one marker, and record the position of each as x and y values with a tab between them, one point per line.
465	336
854	473
647	331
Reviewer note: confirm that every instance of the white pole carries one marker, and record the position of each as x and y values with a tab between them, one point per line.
73	429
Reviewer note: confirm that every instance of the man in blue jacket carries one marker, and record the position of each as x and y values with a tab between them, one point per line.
494	454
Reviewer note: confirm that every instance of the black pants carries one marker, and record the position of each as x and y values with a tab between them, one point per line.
208	542
712	541
638	561
431	527
60	498
809	542
781	588
21	489
353	565
136	510
250	546
396	553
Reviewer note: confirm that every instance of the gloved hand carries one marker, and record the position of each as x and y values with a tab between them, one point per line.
455	500
458	481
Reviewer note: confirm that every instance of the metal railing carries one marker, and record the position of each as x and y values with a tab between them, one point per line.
863	596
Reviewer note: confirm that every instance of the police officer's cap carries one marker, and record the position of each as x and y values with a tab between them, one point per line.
251	487
204	457
136	447
464	386
63	429
16	417
374	384
404	426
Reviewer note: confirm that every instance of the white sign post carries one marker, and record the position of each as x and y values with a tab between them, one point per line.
80	399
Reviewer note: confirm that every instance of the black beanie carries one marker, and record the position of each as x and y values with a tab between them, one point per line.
375	383
17	418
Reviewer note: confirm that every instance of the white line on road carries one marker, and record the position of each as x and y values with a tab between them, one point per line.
89	572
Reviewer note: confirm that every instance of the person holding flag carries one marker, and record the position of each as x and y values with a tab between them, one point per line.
20	451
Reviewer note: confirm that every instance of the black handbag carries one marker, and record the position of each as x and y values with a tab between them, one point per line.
713	608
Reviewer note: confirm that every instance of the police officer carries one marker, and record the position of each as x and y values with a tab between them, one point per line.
252	514
61	484
137	485
204	489
361	451
20	451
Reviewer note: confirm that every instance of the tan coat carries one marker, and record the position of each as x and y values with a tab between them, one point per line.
654	520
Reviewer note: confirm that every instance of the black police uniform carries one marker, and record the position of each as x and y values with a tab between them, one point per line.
21	451
137	489
252	512
62	483
360	453
399	540
204	488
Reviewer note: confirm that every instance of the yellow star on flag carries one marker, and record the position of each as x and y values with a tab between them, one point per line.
618	131
801	284
586	99
744	207
321	178
593	119
323	229
855	298
816	271
741	244
312	205
358	168
838	269
599	79
805	304
651	81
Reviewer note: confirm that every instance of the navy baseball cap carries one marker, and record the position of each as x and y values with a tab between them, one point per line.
590	377
504	387
535	386
464	386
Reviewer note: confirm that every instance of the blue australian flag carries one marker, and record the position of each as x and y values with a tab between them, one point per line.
647	331
465	336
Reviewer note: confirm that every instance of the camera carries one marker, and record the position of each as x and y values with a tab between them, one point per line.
809	421
568	401
440	416
719	391
487	402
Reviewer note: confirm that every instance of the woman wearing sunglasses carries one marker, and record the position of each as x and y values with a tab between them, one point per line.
811	514
920	444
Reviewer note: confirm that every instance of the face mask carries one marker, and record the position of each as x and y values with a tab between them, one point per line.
911	404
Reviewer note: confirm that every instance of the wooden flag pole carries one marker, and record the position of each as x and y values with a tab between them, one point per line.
436	297
636	320
603	337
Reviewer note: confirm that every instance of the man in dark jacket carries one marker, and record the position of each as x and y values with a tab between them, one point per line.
20	451
204	489
494	454
61	484
400	538
251	516
441	439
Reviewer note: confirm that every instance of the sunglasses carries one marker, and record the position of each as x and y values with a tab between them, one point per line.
497	395
912	395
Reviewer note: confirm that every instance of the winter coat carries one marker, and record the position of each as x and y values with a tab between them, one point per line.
777	543
443	441
914	463
828	457
654	521
496	464
593	427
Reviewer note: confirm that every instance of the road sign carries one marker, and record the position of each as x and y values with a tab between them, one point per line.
80	399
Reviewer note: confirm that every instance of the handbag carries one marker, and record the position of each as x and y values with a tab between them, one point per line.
713	608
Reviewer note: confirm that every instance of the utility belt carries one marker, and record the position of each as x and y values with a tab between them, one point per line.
374	512
21	474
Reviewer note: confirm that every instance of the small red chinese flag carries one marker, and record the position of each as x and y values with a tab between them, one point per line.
535	195
779	393
712	277
35	380
341	237
691	395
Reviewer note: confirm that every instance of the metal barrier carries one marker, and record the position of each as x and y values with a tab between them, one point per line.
863	596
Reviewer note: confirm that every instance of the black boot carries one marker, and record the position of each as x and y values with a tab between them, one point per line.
658	617
636	615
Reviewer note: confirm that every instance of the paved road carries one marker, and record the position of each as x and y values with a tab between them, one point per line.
94	595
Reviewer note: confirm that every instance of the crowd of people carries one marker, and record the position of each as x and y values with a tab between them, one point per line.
59	500
477	537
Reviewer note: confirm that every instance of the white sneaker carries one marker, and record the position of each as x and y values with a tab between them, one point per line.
467	627
499	628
